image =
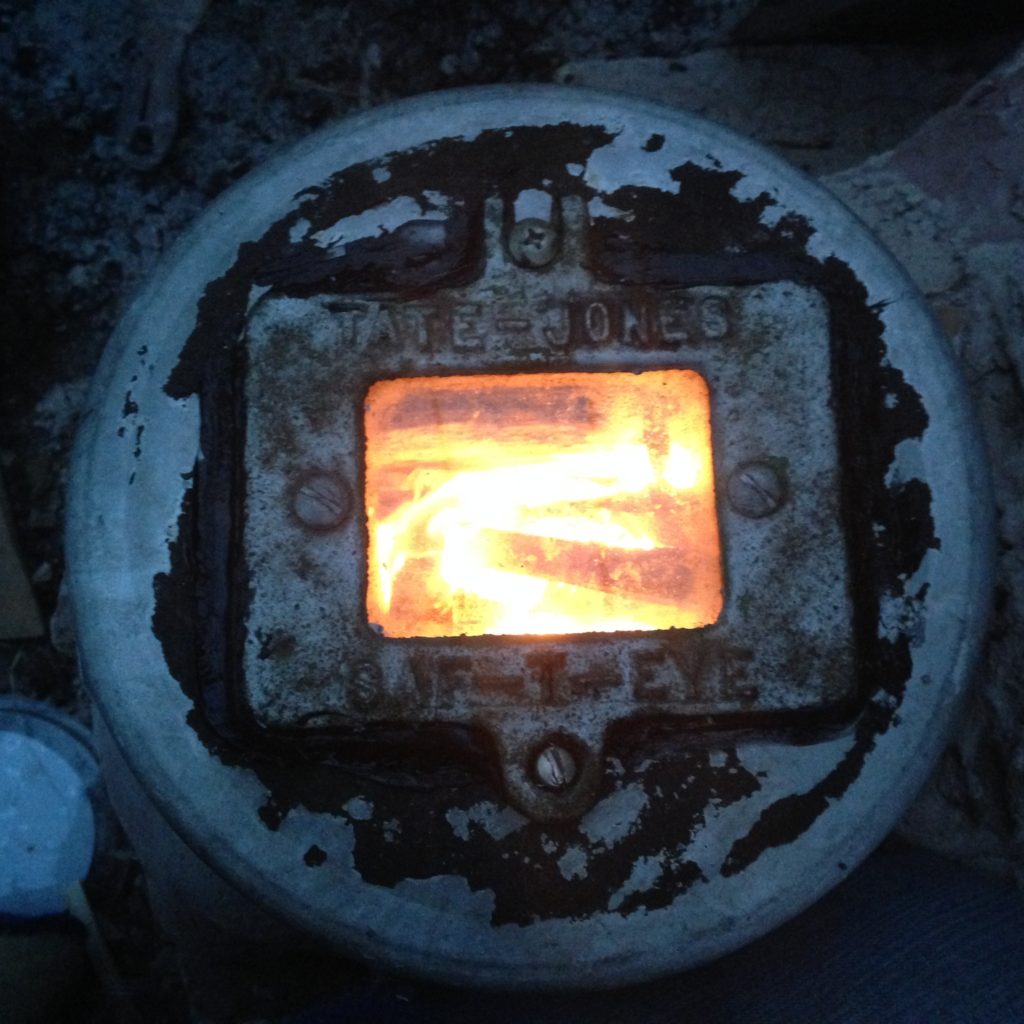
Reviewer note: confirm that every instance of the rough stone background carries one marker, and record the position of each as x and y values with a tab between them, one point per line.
878	97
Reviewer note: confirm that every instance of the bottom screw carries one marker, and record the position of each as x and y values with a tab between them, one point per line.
555	767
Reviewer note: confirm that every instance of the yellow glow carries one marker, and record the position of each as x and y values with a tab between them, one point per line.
541	504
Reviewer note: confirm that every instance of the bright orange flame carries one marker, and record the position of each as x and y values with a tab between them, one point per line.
539	504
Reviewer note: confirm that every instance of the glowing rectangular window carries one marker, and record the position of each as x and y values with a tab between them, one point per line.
541	504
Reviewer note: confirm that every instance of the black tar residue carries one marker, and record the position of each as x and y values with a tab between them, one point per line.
411	832
727	242
314	856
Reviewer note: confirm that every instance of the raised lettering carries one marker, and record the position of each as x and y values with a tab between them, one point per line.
363	685
468	331
714	317
692	660
555	326
597	323
734	680
547	669
654	676
674	317
596	683
412	320
499	684
637	325
443	677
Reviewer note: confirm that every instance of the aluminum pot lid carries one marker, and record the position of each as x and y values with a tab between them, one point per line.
391	246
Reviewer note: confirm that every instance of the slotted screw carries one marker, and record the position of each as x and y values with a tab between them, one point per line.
322	500
555	767
756	490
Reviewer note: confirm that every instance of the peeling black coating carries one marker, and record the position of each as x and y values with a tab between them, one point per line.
272	813
725	242
787	819
675	877
494	163
174	619
911	531
314	856
875	410
521	869
400	258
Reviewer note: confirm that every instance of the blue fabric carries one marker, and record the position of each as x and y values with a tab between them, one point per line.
909	938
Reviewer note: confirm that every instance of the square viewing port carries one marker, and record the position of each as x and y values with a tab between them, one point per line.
541	504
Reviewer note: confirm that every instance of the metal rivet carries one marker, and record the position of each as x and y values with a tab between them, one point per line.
322	501
756	489
555	767
532	242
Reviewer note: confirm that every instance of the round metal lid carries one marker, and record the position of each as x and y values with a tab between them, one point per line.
683	851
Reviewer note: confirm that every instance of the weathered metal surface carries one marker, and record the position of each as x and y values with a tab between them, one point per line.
697	840
309	659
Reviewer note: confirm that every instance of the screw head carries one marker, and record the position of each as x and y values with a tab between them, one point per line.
555	767
756	490
532	242
322	500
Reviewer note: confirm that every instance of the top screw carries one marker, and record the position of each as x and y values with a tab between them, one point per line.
322	501
532	242
756	490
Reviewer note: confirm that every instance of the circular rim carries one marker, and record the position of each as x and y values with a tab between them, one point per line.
117	543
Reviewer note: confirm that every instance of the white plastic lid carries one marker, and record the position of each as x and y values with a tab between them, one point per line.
47	831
